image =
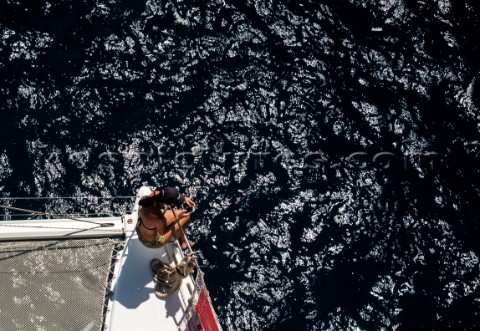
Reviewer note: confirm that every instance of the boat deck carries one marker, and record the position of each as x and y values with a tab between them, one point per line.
134	304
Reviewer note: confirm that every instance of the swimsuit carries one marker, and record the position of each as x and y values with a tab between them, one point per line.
158	242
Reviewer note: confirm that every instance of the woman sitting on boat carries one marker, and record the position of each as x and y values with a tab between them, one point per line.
158	221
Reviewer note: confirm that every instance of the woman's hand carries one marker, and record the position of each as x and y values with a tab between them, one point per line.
189	202
180	213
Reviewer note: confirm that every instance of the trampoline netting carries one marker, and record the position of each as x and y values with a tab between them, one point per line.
54	285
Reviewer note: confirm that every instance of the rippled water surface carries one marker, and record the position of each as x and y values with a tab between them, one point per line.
333	146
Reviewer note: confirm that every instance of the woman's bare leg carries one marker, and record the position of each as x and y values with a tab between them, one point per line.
177	231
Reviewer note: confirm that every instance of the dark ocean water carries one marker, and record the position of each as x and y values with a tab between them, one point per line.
333	146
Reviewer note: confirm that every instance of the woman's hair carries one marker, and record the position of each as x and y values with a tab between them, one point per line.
166	196
146	201
150	200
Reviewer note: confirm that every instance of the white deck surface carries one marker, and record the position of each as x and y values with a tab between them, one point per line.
135	305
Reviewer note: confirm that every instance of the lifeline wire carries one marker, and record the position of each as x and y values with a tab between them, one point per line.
80	197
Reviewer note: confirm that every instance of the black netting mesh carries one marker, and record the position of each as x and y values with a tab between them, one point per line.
53	285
